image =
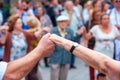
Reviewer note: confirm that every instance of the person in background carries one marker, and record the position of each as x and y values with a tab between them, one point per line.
46	25
115	22
95	20
35	26
17	42
51	11
17	69
91	42
95	59
87	9
114	16
3	13
78	11
60	60
27	11
104	35
73	24
101	76
19	8
45	20
35	6
105	7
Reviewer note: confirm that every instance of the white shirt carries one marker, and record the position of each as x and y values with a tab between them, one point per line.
114	17
3	66
104	41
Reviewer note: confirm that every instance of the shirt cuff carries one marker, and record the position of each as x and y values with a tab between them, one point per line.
3	67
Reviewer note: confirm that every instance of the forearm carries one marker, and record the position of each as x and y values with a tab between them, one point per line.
93	58
20	67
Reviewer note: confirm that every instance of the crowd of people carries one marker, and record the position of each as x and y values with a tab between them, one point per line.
95	25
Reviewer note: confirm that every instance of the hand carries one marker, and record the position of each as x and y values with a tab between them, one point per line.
45	45
60	41
81	30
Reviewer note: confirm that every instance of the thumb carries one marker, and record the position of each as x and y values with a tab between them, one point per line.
47	35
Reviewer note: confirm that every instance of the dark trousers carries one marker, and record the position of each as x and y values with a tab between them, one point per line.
72	60
46	61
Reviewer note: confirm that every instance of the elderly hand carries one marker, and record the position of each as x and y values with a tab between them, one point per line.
56	39
60	41
46	46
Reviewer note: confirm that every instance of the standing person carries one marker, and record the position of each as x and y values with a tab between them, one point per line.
92	22
51	11
115	21
17	69
78	10
17	42
114	16
95	59
91	42
35	26
60	60
105	7
46	25
104	35
27	11
45	20
73	24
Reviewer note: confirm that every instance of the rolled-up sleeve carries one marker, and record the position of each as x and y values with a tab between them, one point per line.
3	66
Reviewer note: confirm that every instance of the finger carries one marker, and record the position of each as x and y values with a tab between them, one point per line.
47	35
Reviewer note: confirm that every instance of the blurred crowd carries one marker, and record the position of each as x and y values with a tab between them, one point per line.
93	23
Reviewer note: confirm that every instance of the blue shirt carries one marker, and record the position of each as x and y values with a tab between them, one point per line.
3	67
18	46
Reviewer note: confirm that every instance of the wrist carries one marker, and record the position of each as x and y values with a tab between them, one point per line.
39	51
68	45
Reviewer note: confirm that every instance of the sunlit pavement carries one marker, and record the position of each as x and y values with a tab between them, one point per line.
80	73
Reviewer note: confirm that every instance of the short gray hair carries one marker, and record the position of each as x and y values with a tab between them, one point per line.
68	2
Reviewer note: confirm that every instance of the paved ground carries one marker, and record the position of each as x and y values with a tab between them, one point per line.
81	73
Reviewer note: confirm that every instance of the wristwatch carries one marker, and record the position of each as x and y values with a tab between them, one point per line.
74	46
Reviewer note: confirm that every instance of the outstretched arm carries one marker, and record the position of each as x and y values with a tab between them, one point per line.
21	67
93	58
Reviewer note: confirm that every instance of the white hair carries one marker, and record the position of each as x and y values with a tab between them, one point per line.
68	2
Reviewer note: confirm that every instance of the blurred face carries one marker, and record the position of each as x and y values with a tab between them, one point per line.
77	1
62	24
105	20
40	11
97	16
116	3
98	4
25	6
37	4
69	6
55	2
106	7
18	24
20	4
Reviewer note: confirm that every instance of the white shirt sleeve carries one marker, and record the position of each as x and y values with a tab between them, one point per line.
3	66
